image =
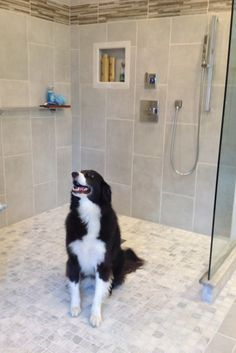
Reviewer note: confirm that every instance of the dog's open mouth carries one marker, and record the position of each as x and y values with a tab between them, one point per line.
81	189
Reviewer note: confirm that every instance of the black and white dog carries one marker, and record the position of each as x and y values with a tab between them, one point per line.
93	242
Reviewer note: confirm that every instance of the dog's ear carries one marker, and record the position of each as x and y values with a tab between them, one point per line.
106	192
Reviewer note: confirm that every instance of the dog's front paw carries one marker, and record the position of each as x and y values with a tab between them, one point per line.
95	319
75	311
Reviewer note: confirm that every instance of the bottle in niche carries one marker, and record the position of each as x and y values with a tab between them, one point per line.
122	72
105	68
112	69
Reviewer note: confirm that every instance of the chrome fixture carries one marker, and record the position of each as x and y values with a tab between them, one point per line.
149	111
150	80
207	65
210	61
2	207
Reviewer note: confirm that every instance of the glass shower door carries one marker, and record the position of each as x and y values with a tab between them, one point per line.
224	222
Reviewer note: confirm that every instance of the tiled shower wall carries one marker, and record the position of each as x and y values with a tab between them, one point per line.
35	146
132	155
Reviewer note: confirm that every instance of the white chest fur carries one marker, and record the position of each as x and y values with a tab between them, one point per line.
90	250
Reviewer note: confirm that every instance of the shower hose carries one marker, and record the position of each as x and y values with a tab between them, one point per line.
174	127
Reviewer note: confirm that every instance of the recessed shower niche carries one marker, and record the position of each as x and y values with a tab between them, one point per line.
111	64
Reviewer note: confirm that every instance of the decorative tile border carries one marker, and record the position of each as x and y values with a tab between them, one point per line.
84	14
122	9
16	5
51	11
47	10
105	11
164	8
112	10
219	5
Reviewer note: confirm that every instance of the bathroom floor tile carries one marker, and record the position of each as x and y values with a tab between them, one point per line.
157	310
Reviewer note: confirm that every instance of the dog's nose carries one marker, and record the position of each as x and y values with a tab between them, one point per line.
74	175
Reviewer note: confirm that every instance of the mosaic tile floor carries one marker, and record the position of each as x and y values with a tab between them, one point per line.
157	310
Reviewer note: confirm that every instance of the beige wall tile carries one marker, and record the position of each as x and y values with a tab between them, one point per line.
44	153
16	135
153	32
146	188
177	211
40	31
62	36
92	97
2	183
122	31
19	176
120	103
119	151
62	65
20	205
74	36
93	127
89	34
13	38
92	159
76	152
189	29
41	64
121	198
225	195
14	93
64	169
45	197
205	193
184	81
75	86
63	129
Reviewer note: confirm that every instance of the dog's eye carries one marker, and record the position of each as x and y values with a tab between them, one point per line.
92	176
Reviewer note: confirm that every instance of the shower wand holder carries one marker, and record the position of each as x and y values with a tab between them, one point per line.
178	104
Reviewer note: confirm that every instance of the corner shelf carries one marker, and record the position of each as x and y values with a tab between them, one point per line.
54	107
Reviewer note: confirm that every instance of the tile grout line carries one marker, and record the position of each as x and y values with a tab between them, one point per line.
28	24
106	119
55	115
4	169
165	121
134	121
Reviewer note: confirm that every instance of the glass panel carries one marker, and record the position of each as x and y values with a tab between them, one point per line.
224	225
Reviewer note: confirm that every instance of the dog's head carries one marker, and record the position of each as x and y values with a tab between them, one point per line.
90	184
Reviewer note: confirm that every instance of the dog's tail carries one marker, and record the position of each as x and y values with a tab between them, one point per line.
127	261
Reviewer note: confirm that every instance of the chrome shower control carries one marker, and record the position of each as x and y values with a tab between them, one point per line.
150	80
149	111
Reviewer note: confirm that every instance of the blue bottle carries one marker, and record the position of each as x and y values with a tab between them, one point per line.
50	96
